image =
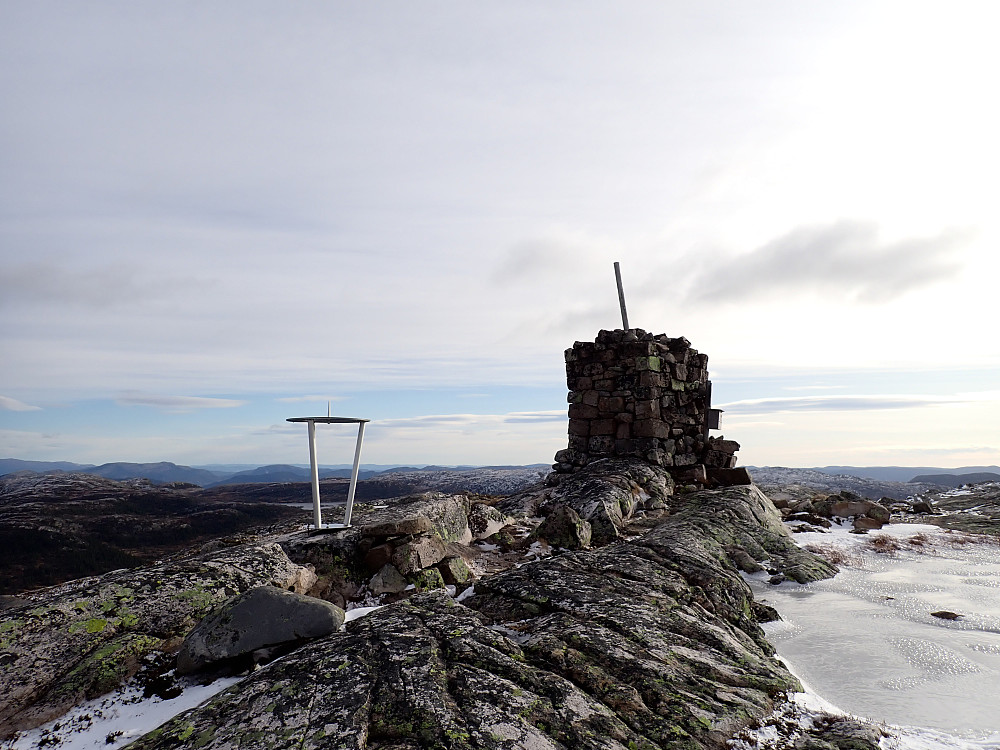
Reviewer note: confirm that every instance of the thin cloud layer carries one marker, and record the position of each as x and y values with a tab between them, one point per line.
178	403
313	399
12	404
846	258
100	287
834	403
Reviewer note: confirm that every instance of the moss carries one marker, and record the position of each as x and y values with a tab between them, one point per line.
185	733
8	632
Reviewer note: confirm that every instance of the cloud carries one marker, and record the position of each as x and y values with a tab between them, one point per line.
964	450
810	387
178	404
301	399
846	258
561	254
97	288
836	403
474	420
12	404
556	415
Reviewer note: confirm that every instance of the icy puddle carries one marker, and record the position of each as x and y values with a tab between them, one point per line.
866	640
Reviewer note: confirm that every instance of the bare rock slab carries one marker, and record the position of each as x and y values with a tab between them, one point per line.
84	638
606	493
263	616
652	643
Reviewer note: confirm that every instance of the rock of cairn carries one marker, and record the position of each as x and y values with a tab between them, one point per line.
632	393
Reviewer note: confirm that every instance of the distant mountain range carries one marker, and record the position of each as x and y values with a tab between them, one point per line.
165	472
957	480
904	473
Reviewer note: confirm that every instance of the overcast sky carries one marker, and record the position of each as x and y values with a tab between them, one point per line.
217	215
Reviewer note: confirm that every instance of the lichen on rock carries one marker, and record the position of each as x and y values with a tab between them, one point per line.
649	643
83	638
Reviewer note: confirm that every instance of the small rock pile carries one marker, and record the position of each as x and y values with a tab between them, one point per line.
809	514
419	543
632	393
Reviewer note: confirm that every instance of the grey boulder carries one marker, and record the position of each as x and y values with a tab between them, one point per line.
263	616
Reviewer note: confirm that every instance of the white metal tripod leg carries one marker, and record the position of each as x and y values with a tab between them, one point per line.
314	470
354	474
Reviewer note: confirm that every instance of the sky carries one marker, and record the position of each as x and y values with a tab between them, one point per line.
215	216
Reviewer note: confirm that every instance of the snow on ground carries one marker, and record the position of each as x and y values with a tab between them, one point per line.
114	720
868	642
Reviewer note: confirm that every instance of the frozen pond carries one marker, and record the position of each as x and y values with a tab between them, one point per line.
866	640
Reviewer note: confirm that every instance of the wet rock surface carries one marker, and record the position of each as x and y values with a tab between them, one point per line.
646	643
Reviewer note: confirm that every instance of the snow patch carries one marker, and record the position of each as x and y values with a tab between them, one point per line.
116	719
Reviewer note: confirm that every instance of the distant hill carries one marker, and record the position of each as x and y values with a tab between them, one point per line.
770	478
900	473
163	472
11	465
284	473
957	480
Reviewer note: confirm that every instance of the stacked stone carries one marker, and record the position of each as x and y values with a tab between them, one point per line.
632	393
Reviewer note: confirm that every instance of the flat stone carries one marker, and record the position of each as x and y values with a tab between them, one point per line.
728	477
378	556
402	527
864	522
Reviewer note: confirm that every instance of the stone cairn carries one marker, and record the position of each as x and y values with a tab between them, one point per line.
632	393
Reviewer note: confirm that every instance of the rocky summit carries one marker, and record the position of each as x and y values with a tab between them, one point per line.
643	635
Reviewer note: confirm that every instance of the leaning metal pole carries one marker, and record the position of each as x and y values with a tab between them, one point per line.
621	295
314	471
354	474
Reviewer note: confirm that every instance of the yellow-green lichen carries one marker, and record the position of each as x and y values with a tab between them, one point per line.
93	625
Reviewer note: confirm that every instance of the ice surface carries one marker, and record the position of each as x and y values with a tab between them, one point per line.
866	640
